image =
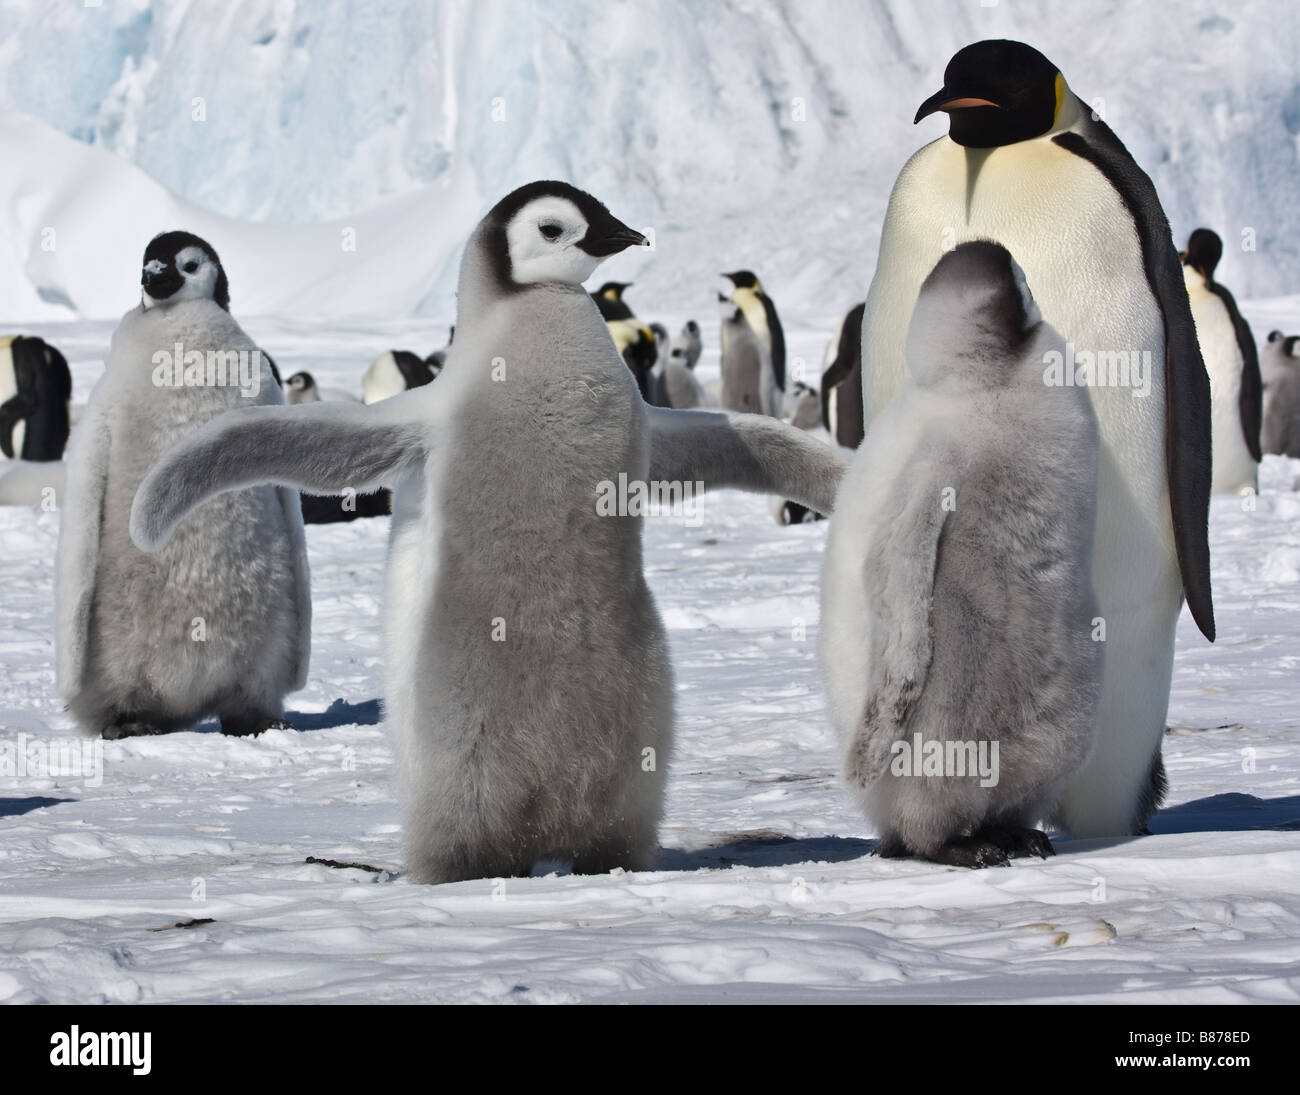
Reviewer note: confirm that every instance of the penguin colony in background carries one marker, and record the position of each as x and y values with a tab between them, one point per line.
529	689
677	386
753	348
634	340
1010	550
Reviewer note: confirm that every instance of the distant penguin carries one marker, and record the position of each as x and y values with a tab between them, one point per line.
1228	348
436	360
323	509
957	603
634	340
610	303
392	372
747	382
806	416
302	388
755	310
677	386
661	342
1028	164
658	395
35	389
1280	435
219	623
687	346
529	689
842	381
636	346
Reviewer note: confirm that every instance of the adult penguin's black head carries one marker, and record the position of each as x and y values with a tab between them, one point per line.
744	279
997	92
1204	250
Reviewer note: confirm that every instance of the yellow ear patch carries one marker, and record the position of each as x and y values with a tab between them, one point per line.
1060	95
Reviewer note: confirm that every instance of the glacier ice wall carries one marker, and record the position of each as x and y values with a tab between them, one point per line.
745	133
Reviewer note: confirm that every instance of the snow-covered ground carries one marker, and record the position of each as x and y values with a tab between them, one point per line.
765	889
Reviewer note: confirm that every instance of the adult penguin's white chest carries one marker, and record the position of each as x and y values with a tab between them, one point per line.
1072	234
1218	339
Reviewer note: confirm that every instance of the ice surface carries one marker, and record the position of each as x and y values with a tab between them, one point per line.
764	890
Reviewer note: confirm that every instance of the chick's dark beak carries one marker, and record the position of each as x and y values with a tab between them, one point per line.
161	284
609	237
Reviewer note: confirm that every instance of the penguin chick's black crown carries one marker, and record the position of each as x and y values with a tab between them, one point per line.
163	248
1204	250
606	235
997	92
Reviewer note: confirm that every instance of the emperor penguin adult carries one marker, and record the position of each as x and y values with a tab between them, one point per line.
957	600
635	340
219	622
753	348
529	691
1027	163
842	381
394	371
35	389
1228	347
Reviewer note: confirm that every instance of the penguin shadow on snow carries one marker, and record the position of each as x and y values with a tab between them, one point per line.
16	807
339	713
763	848
1228	813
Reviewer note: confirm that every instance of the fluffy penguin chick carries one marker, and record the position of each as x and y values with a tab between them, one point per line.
220	621
687	346
1281	377
528	690
957	602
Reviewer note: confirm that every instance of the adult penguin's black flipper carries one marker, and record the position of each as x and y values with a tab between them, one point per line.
1187	385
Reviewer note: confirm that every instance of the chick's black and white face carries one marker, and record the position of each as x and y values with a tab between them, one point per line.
190	274
542	239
